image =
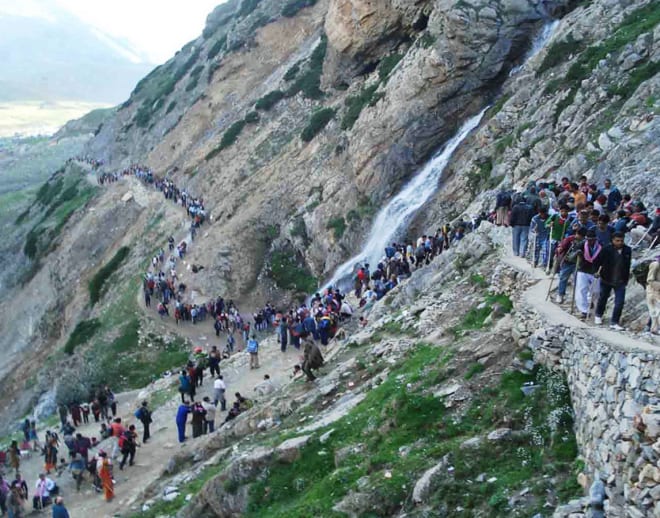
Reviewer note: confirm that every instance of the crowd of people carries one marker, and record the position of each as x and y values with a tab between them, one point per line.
579	231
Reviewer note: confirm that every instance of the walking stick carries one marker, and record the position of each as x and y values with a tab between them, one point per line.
550	261
642	238
554	272
577	267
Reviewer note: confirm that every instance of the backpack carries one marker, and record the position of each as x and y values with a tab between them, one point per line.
641	270
139	413
252	346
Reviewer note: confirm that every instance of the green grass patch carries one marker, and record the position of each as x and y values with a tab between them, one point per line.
338	226
478	280
474	319
98	282
401	413
558	53
82	333
288	273
317	122
473	370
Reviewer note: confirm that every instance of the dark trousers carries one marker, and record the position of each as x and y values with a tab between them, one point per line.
128	454
145	435
619	299
308	371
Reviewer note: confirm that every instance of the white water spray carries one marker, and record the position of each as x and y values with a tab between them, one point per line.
394	217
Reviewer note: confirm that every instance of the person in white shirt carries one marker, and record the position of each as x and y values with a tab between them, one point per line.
209	418
44	488
219	389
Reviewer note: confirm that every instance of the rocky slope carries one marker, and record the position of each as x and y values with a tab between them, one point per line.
295	144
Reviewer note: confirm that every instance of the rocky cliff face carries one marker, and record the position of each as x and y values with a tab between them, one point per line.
379	84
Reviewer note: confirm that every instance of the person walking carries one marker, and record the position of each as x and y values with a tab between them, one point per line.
253	349
521	217
15	501
144	415
615	273
14	456
181	418
586	285
219	389
198	418
104	470
128	446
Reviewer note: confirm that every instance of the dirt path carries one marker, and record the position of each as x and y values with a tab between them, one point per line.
152	457
535	297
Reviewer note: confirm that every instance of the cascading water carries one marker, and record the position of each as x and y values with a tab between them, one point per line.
393	218
539	42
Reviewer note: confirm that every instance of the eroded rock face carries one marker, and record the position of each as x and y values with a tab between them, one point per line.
357	30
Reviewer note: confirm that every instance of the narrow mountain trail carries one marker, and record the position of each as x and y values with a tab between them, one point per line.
152	457
535	297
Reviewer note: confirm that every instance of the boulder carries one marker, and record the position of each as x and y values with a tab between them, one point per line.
425	485
289	450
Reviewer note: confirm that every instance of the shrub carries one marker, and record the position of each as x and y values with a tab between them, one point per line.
387	65
317	122
269	100
143	115
355	104
228	138
292	72
309	83
288	275
217	47
170	107
97	282
82	333
31	243
49	190
192	84
292	7
338	226
252	117
558	53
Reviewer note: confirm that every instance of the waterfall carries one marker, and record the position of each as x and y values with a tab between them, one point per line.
539	42
392	219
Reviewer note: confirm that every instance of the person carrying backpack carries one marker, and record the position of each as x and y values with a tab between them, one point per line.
502	204
143	414
127	446
253	349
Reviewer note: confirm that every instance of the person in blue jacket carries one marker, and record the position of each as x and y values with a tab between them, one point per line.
181	418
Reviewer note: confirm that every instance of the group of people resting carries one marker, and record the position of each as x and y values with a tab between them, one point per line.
579	230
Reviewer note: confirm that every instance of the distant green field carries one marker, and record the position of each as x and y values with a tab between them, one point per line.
26	162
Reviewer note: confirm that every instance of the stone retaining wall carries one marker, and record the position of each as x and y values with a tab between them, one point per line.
616	399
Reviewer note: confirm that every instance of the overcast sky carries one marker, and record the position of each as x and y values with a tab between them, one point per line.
157	28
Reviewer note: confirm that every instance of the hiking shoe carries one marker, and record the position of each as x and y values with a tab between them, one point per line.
559	299
616	327
598	321
583	316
